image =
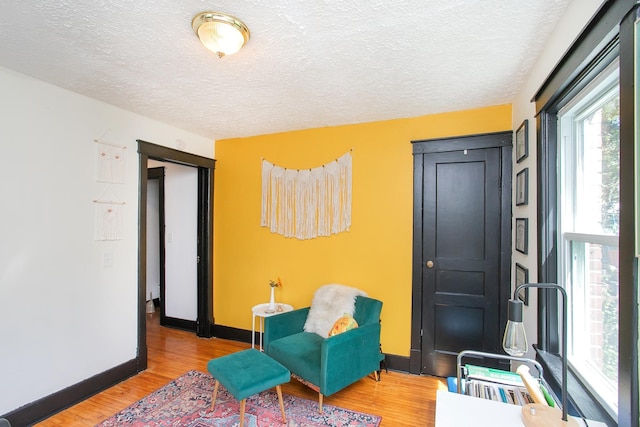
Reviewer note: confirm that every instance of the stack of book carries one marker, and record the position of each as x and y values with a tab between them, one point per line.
501	386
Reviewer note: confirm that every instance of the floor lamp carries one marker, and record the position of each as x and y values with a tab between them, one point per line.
515	344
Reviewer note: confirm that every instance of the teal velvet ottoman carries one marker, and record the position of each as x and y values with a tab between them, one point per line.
246	373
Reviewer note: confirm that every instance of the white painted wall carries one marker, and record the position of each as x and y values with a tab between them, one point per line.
153	240
578	14
63	316
181	250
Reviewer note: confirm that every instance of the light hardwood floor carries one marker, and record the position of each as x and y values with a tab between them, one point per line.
400	399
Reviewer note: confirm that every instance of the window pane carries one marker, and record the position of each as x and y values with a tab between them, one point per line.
593	313
597	172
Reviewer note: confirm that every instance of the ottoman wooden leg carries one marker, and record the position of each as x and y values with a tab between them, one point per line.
279	391
215	394
242	402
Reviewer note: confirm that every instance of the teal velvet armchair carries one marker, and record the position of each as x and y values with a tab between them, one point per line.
327	364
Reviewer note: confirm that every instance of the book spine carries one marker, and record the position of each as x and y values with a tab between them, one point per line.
503	395
499	392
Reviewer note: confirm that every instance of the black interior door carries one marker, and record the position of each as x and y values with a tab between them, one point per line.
459	262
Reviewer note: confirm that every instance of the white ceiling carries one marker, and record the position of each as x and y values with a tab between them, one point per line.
308	64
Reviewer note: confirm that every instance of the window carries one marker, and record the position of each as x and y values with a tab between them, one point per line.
577	243
588	227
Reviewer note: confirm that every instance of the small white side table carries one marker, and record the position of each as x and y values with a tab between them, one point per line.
260	311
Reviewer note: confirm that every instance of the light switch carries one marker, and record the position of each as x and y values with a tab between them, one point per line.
107	259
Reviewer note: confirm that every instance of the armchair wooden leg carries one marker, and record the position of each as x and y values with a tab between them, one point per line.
320	402
376	374
215	395
279	391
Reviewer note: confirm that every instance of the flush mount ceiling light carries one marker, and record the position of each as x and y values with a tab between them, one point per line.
222	34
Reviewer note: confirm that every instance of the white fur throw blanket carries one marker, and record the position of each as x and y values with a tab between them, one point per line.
330	302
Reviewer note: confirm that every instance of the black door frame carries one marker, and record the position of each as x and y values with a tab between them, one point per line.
206	166
502	140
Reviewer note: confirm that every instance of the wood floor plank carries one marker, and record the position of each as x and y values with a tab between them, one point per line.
400	399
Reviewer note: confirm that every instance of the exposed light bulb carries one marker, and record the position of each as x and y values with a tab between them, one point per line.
514	341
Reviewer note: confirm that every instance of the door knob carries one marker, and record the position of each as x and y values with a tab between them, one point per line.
430	264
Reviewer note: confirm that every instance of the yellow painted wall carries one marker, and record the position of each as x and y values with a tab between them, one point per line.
374	255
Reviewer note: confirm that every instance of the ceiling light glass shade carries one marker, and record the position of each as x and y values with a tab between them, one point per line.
514	341
220	33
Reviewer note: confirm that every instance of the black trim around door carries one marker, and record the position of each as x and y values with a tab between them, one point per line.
206	166
205	320
501	140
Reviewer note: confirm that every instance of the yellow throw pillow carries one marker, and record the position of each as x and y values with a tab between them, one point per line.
343	324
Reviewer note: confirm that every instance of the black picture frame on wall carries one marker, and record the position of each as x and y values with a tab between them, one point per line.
522	187
522	277
522	235
522	141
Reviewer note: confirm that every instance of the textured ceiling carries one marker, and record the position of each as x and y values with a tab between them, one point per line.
308	64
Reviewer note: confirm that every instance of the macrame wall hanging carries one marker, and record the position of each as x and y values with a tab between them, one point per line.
108	220
307	203
110	163
109	172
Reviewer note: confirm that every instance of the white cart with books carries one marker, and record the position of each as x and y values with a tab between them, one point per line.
499	385
495	410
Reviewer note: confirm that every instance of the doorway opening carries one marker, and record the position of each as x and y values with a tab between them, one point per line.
205	167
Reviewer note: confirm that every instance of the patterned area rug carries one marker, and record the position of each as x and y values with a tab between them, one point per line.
186	402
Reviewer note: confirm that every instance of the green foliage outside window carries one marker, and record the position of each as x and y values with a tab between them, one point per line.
611	224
